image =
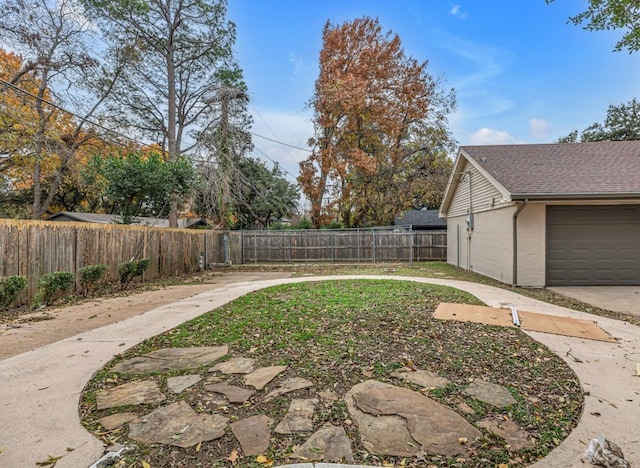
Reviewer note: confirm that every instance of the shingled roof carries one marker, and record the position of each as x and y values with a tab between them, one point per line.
562	170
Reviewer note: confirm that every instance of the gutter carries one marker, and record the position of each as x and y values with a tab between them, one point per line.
574	196
514	276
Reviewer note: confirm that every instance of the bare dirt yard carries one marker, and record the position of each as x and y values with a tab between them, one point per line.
38	328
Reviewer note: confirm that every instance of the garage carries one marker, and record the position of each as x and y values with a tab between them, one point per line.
593	245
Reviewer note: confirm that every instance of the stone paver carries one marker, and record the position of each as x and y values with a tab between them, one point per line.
234	366
177	424
116	420
436	428
490	393
261	377
288	386
511	432
329	444
233	393
299	418
253	434
131	393
182	382
168	359
424	378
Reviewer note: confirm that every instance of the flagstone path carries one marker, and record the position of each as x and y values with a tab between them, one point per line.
391	419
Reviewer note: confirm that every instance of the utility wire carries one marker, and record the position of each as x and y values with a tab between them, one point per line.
275	136
283	144
62	109
133	140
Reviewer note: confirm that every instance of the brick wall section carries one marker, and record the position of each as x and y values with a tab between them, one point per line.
532	245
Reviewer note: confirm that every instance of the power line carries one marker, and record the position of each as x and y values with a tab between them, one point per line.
274	162
62	109
133	140
276	137
283	144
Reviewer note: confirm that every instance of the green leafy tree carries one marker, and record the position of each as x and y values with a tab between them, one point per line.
138	185
602	15
621	123
184	55
265	194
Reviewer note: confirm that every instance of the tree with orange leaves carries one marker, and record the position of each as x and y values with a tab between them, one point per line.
381	141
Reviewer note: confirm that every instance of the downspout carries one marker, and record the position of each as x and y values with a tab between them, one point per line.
515	242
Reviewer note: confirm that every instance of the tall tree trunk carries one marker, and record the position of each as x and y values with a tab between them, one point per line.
172	122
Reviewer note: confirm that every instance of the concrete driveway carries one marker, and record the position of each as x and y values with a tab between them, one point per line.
616	298
40	389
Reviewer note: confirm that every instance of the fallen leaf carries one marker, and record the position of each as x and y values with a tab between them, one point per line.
145	464
199	446
462	440
51	461
261	459
233	457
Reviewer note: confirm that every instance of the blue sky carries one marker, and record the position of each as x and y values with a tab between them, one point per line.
521	73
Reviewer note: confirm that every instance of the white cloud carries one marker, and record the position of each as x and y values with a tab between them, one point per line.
457	12
297	61
292	128
488	136
539	128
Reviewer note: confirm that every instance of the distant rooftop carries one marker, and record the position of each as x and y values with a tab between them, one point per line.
116	219
420	219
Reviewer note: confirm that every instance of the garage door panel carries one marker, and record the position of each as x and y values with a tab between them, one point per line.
593	245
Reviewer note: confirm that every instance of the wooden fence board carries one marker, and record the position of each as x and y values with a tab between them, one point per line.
355	245
34	248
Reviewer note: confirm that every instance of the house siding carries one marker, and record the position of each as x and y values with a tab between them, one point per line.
532	246
473	192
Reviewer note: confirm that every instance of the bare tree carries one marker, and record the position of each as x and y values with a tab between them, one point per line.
54	39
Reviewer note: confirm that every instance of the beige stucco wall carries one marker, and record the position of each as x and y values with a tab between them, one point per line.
532	245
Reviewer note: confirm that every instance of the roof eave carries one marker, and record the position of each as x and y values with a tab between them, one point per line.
576	196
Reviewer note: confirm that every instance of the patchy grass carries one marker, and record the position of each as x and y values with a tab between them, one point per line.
340	333
440	270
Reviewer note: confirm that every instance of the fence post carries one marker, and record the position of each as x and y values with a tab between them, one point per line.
373	234
358	236
333	243
255	247
410	246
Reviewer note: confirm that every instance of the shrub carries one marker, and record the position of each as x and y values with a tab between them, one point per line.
305	223
53	285
90	276
10	287
129	270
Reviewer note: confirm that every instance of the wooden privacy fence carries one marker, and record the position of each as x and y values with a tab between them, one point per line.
34	248
397	244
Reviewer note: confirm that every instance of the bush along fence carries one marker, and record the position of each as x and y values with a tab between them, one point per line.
32	249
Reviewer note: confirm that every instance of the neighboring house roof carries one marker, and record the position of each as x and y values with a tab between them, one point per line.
116	219
607	169
420	219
